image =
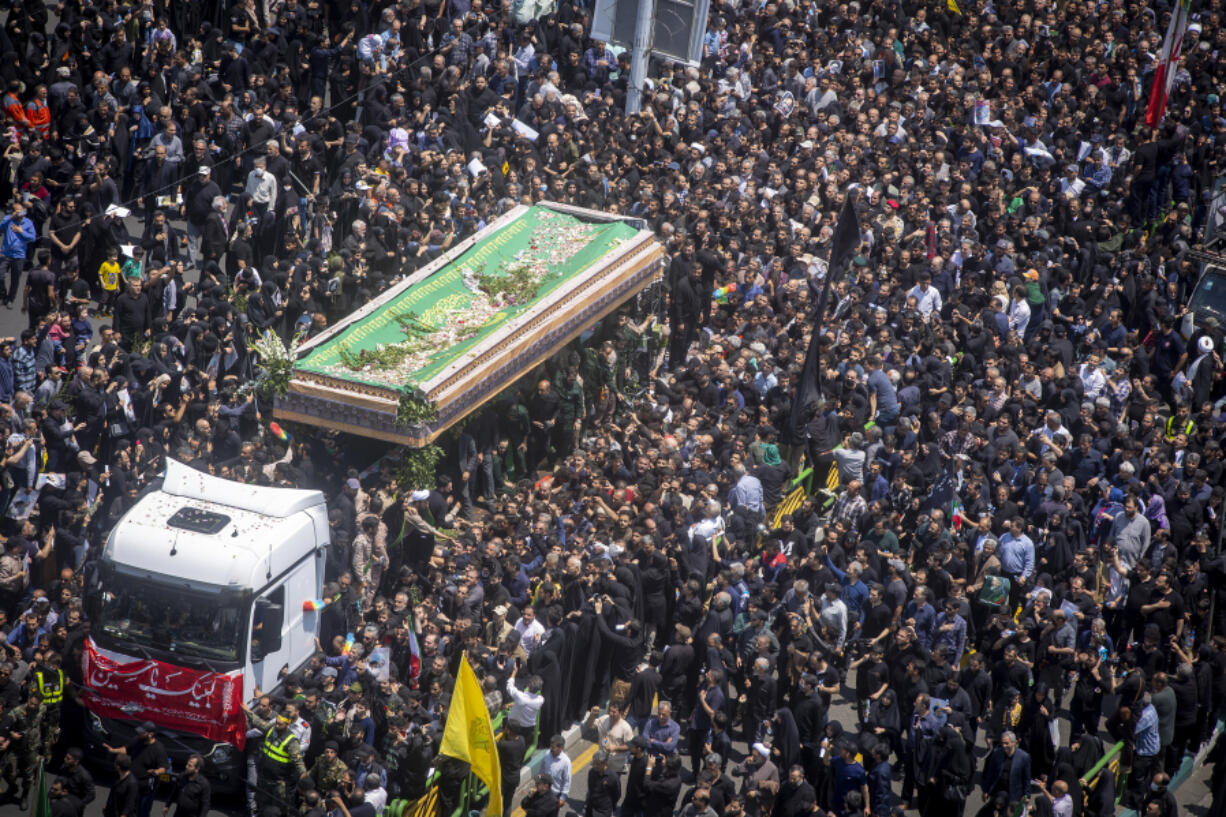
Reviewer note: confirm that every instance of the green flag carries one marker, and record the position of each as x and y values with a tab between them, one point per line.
42	804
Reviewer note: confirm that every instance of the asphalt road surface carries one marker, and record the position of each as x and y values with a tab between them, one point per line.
1193	795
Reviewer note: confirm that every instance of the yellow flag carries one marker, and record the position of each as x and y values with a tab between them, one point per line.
469	734
953	6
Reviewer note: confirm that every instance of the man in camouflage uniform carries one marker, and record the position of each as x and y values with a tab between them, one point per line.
602	378
280	765
572	408
22	728
329	770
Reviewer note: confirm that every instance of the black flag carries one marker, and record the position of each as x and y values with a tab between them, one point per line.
808	390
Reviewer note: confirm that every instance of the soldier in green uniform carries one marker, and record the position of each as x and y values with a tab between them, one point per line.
572	408
280	764
329	770
516	423
23	730
604	383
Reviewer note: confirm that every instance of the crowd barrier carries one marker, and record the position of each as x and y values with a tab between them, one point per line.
473	792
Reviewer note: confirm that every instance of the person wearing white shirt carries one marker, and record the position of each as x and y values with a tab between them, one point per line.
262	187
374	793
711	525
1050	430
298	725
1019	312
834	614
531	631
1071	183
526	703
927	298
1092	378
1061	802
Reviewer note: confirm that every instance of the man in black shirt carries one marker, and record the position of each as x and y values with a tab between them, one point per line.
63	804
133	314
39	296
191	791
872	677
540	802
636	778
148	760
124	797
77	779
603	788
542	412
307	170
198	204
511	750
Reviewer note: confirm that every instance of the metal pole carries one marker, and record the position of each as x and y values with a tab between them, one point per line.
639	54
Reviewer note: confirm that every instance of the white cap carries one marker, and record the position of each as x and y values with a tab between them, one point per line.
420	496
1205	344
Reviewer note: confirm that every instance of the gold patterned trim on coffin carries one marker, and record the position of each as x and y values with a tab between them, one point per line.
351	391
450	410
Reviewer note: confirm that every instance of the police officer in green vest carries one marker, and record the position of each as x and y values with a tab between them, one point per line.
1181	422
51	684
280	763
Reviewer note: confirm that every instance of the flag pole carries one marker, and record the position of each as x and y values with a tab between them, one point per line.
41	807
809	390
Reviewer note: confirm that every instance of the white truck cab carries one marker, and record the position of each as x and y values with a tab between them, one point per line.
210	576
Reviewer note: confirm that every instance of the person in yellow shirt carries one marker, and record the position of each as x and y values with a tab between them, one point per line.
108	274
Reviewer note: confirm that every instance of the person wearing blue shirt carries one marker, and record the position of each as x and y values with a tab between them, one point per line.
880	782
8	382
1145	761
951	633
17	231
883	397
598	61
747	493
1016	552
919	614
662	732
849	776
855	592
878	485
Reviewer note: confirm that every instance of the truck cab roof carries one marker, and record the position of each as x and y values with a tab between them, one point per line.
209	531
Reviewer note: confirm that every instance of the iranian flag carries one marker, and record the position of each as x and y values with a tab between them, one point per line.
1168	64
414	653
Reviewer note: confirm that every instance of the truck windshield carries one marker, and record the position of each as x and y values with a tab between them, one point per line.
138	612
1209	298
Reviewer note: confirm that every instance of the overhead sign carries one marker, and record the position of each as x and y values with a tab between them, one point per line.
677	31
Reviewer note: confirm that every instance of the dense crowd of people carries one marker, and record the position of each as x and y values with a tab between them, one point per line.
1016	568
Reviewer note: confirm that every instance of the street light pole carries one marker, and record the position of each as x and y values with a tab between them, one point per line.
643	22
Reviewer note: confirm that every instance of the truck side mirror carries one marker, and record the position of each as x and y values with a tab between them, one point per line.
266	628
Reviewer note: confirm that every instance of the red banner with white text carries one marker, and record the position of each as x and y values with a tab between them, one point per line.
187	700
